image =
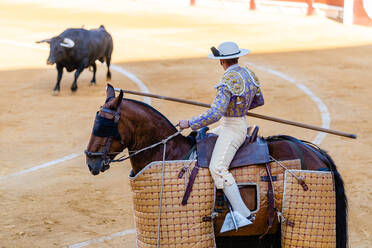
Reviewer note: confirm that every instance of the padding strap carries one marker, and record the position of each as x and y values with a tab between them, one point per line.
270	197
271	201
192	177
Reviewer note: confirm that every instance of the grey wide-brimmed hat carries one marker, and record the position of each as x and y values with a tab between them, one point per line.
227	50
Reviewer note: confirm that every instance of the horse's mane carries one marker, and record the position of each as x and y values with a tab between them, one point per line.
152	109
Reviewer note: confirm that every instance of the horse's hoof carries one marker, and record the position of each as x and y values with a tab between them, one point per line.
93	83
55	92
74	89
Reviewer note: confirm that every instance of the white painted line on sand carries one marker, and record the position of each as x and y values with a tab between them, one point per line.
326	119
102	239
135	79
44	165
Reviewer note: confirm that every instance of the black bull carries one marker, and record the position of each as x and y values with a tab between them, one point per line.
77	49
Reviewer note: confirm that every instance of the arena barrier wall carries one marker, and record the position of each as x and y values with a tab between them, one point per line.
362	12
330	8
349	11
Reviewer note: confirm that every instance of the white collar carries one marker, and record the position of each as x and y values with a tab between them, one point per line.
231	67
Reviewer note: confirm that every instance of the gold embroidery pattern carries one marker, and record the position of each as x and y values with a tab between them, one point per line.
235	92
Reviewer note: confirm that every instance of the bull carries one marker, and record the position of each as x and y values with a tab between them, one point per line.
77	49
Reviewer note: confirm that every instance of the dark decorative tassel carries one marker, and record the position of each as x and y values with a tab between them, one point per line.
215	51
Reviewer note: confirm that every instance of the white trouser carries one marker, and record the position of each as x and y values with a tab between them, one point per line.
231	135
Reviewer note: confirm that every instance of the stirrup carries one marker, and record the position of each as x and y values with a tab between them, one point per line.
233	221
251	217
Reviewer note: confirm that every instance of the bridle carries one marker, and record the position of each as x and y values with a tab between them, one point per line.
109	130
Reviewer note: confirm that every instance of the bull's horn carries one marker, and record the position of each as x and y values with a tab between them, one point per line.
67	43
45	40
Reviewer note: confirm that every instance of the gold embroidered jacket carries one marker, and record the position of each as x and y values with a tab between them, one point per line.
237	92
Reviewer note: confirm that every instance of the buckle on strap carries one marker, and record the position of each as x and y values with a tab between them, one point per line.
117	117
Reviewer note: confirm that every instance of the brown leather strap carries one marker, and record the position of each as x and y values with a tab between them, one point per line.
192	177
270	196
182	172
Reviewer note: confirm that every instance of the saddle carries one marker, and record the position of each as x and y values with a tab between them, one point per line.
254	150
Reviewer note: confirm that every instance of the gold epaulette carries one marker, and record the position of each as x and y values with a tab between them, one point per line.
234	81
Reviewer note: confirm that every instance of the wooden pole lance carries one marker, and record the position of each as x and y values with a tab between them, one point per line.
269	118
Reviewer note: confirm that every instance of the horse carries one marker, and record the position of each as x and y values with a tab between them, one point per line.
130	124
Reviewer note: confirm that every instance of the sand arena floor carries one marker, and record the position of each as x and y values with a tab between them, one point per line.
164	46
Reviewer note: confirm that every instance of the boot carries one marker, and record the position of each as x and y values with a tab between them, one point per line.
233	195
239	216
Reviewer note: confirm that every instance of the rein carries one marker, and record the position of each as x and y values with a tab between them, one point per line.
164	141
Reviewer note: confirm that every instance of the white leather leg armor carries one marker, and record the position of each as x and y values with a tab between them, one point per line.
231	135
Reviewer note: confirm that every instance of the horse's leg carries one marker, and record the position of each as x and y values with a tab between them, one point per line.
59	77
93	81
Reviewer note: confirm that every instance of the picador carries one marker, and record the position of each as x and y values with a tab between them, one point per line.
237	92
175	201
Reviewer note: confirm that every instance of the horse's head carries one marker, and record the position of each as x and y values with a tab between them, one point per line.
137	128
106	141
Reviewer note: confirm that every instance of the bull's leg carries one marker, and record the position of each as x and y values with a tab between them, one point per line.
77	74
93	82
108	75
59	76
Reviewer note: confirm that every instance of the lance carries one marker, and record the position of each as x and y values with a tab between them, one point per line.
264	117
